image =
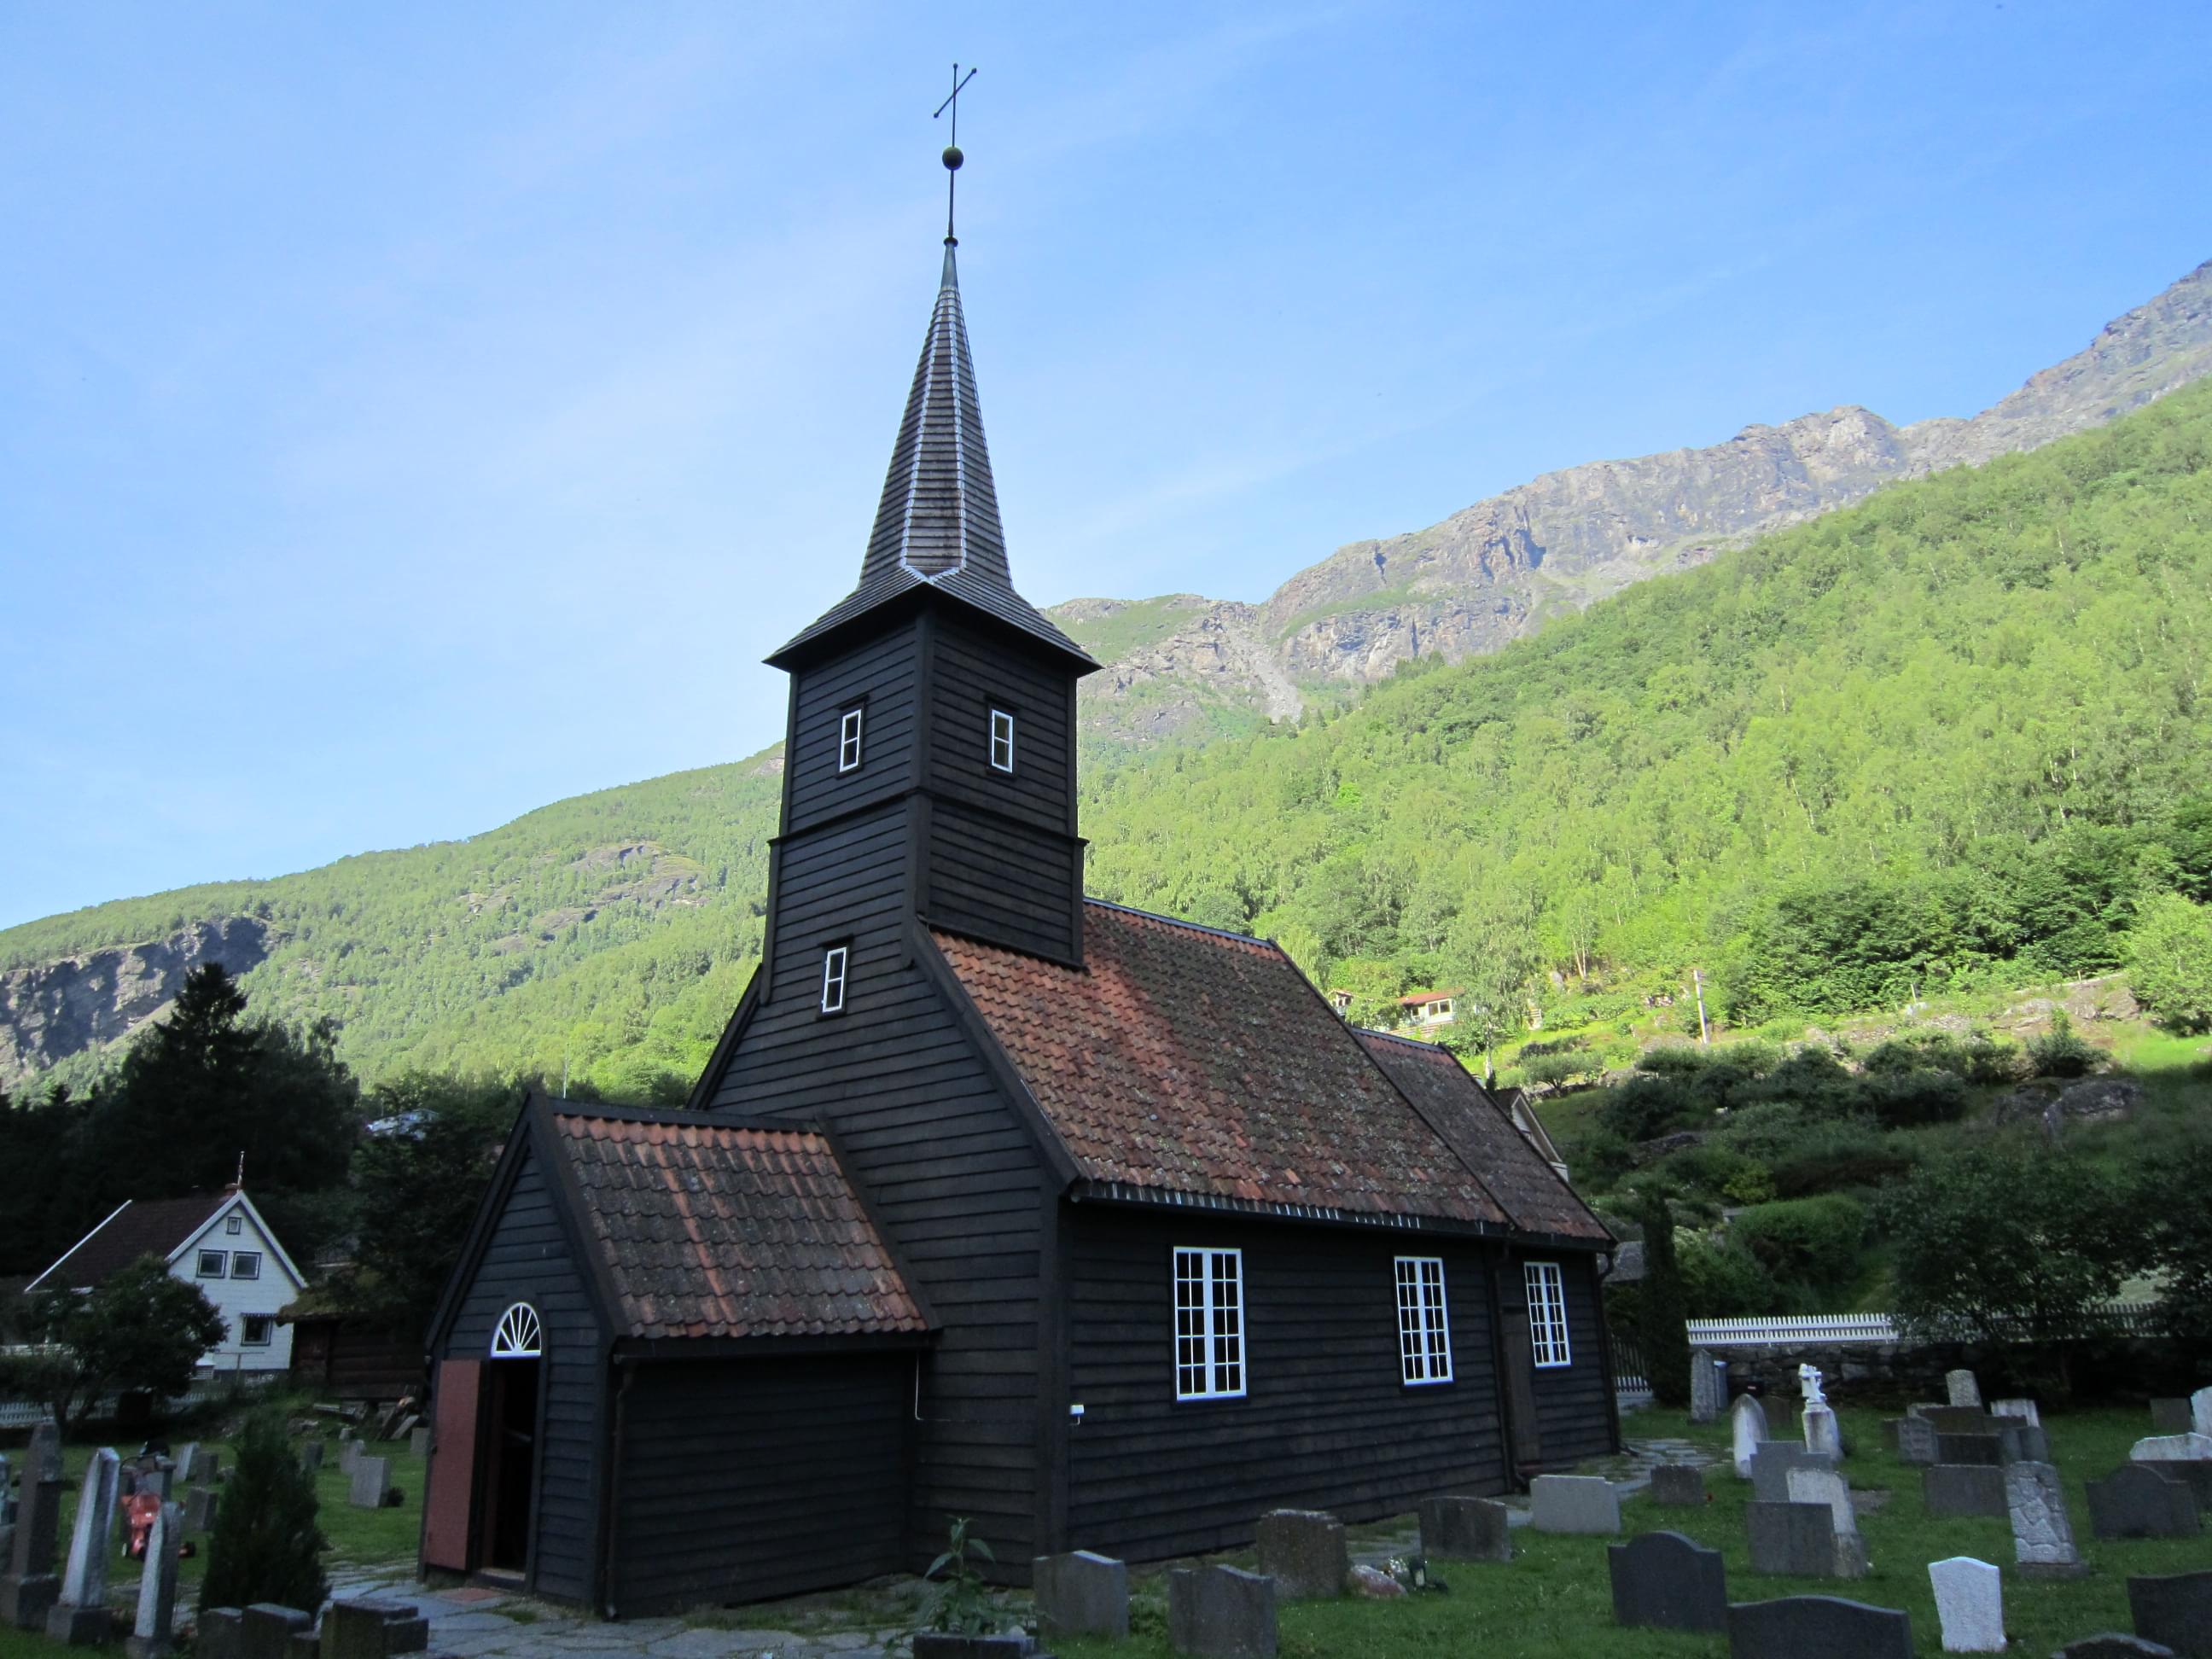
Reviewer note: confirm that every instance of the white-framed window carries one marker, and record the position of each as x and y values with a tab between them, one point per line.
246	1264
254	1331
834	960
1209	1311
1424	1330
1441	1009
518	1335
212	1263
233	1223
1547	1314
849	741
1002	741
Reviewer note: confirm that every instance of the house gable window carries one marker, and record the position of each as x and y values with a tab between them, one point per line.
848	740
254	1331
233	1223
1002	741
1209	1310
212	1263
834	961
1547	1314
1423	1331
246	1264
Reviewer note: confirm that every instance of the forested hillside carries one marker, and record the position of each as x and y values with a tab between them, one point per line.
1950	736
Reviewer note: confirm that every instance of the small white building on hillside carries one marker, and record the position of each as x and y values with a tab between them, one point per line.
215	1241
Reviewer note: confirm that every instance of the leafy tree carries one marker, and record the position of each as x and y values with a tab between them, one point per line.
2000	1244
1809	1247
138	1329
2170	1200
2170	961
266	1546
1661	1304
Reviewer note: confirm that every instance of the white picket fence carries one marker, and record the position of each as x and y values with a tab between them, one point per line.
25	1414
1832	1330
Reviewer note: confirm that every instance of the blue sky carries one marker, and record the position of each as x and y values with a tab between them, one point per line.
410	415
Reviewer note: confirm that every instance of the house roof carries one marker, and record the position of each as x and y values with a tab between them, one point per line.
711	1229
1422	999
1183	1059
1461	1110
936	525
137	1227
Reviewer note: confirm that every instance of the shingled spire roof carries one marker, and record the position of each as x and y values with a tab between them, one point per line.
936	527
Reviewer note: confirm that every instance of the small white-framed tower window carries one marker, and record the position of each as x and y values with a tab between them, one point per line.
1209	1313
848	740
834	960
1424	1328
1002	741
1547	1314
519	1336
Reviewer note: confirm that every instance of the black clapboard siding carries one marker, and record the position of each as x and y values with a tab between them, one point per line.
748	1479
885	673
971	676
1326	1422
527	1259
1008	882
1572	1406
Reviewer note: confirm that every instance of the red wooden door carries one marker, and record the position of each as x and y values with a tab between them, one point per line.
451	1478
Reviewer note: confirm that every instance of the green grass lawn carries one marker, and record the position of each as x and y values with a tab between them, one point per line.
1555	1598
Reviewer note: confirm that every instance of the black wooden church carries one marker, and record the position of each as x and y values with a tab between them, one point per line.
1097	1227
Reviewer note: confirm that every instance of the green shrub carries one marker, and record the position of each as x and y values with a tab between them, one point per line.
1725	1281
1646	1107
2060	1053
266	1546
2170	954
1809	1246
1905	1100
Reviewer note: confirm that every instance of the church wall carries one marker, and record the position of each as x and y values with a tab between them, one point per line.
1004	881
1573	1404
527	1259
884	673
971	676
1327	1422
751	1478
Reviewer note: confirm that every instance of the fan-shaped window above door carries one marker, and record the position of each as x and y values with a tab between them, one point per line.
518	1336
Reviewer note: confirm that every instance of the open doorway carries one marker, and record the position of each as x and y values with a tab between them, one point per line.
508	1469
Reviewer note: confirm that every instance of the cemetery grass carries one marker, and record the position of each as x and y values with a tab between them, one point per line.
1555	1597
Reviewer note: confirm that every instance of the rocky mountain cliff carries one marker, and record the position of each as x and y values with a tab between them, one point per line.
1186	667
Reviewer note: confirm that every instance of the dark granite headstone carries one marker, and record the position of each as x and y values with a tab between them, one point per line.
1220	1612
2135	1501
1817	1627
1771	1463
1961	1419
265	1631
1954	1488
1466	1529
1679	1485
31	1586
1664	1579
1080	1594
1991	1450
1916	1441
2112	1645
2194	1472
2175	1609
221	1634
1303	1552
935	1644
1795	1540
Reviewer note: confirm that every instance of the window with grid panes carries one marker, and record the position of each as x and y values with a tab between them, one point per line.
1209	1310
1547	1314
1423	1335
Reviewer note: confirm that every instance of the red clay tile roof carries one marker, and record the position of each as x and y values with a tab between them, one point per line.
1447	1095
1190	1061
711	1229
144	1226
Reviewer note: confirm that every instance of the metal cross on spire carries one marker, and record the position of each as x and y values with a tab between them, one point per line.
952	156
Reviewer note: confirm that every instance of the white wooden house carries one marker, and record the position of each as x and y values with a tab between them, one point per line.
215	1241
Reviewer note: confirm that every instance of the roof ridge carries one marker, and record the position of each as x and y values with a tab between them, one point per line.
1184	922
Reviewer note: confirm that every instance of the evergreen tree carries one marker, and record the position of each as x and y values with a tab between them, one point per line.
1661	1305
266	1546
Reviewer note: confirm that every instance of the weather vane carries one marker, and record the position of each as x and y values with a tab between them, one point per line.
952	155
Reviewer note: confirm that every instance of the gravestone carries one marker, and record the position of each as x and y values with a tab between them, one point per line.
1078	1593
418	1441
2136	1501
2024	1409
1969	1604
156	1623
2042	1532
1223	1613
2172	1447
1822	1437
30	1587
1992	1450
267	1629
349	1452
1826	1486
200	1506
1962	1419
1770	1470
372	1478
1678	1485
1916	1441
126	1481
80	1617
160	1480
2200	1411
2170	1416
1962	1389
1303	1552
1795	1541
1574	1503
936	1644
2194	1472
1663	1579
1817	1627
2113	1645
219	1634
2175	1609
311	1456
371	1629
1708	1385
1746	1430
1466	1529
206	1468
185	1454
1956	1489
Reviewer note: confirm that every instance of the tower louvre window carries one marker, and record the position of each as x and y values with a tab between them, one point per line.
833	978
1002	741
849	741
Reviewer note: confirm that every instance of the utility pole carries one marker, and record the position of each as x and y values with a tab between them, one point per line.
1705	1033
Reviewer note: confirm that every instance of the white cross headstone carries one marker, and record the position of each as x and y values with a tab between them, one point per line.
1809	1379
157	1583
1970	1602
1821	1434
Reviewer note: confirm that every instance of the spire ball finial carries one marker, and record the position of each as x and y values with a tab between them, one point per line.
953	158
